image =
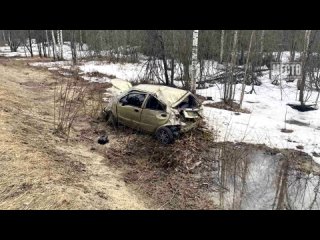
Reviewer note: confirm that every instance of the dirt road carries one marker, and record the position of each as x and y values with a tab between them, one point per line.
38	170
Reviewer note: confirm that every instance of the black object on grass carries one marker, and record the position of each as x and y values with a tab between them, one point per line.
103	140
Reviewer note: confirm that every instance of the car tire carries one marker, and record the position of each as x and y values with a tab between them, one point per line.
164	135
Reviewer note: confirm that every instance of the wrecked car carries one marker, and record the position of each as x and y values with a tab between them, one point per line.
157	109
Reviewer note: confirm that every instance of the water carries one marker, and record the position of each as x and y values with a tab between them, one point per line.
258	180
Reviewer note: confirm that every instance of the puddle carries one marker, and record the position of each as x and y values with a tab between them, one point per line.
261	180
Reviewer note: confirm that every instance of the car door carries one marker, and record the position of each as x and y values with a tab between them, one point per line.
129	109
153	114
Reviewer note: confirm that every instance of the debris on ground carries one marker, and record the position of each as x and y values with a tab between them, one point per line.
103	140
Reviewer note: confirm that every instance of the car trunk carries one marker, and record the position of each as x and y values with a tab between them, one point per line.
189	108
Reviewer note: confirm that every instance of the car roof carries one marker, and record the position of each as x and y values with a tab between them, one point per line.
168	95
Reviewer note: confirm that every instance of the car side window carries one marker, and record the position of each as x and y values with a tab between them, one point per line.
133	99
124	100
154	104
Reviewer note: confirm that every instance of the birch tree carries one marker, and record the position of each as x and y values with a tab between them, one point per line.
30	43
194	59
48	44
293	45
54	50
73	47
228	86
304	60
14	40
221	46
80	41
246	69
4	36
61	44
261	42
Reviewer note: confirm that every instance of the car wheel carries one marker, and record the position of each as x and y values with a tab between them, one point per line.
165	135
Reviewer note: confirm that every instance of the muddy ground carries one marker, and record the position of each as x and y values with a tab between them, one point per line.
39	169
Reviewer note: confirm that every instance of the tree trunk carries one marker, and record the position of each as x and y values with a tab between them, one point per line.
30	42
44	50
164	60
229	94
39	49
48	44
261	55
262	42
4	36
186	76
304	58
9	41
293	47
172	71
246	69
61	45
54	51
73	48
194	59
80	40
241	60
25	52
221	46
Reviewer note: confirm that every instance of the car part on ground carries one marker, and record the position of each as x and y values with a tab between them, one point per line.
103	140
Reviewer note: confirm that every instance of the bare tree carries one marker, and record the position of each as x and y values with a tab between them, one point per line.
14	40
80	41
229	81
30	43
194	59
246	69
73	47
261	42
4	36
54	50
48	44
61	44
305	55
221	46
163	57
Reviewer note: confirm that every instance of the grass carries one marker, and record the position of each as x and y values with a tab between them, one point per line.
38	170
234	107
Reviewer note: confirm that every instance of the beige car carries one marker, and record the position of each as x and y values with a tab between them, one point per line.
157	109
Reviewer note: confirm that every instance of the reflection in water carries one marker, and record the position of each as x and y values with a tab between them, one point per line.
263	181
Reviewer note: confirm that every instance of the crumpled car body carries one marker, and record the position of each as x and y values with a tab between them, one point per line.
149	107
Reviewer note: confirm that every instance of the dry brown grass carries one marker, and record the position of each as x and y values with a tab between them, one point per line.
234	107
38	170
176	176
